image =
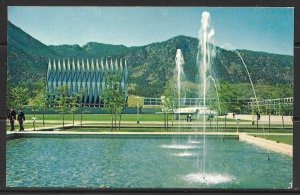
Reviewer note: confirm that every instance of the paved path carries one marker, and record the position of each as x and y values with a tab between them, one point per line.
161	122
275	119
144	133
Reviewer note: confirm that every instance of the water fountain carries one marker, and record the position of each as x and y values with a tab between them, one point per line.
205	56
256	100
211	78
216	89
179	76
252	86
204	61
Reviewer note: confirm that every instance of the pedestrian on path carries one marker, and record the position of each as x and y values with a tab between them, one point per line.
11	115
258	115
21	119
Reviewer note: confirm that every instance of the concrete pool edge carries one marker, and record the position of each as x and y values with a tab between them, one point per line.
268	144
70	134
247	137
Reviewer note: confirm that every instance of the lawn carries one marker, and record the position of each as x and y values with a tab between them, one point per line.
136	128
107	117
99	117
287	139
84	129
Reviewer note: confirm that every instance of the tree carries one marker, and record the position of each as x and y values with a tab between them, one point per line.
37	103
168	101
62	101
78	104
114	98
120	104
17	97
75	104
40	101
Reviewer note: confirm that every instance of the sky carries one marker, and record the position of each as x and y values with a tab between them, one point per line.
258	29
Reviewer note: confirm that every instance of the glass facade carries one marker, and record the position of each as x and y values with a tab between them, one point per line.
85	77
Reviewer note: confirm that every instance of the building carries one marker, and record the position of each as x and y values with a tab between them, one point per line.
87	77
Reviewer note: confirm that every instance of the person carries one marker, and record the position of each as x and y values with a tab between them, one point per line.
177	116
233	114
258	115
11	115
190	117
21	119
8	113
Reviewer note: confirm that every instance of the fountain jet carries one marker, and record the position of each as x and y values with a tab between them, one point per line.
179	75
205	56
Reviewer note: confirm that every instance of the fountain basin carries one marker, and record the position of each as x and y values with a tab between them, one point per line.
140	161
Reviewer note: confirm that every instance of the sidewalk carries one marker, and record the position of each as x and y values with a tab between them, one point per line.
265	118
273	122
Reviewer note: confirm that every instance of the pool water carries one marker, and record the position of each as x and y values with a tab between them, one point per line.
144	163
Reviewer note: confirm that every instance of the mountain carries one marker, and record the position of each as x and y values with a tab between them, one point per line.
27	57
150	66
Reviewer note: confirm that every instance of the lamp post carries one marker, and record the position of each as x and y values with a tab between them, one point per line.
225	120
137	109
252	110
33	122
237	125
269	122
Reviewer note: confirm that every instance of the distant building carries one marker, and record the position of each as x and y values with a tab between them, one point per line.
85	76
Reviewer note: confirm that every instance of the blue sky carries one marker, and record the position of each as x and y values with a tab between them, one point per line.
258	29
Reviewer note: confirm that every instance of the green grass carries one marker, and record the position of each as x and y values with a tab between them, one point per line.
99	117
161	129
107	117
84	129
287	139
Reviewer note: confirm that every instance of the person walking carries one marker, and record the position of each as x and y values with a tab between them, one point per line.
258	115
11	115
8	114
190	117
21	119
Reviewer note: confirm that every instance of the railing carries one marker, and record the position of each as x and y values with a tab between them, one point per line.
199	101
272	102
185	102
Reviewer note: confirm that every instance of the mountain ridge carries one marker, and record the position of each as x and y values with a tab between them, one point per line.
150	66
